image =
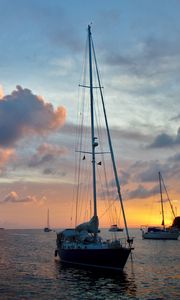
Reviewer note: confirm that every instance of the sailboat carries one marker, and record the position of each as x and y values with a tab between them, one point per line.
161	233
82	246
115	228
47	228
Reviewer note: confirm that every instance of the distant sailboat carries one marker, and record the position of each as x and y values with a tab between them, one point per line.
115	228
47	229
82	245
161	233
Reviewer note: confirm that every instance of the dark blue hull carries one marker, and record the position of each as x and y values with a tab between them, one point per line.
112	259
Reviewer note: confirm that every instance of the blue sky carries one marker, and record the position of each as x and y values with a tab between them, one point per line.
138	50
44	40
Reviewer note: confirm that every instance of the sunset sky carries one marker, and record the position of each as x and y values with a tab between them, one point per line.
41	55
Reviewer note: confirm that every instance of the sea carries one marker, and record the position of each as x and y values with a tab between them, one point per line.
28	270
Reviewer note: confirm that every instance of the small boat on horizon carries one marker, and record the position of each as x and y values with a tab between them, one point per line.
47	229
115	228
162	232
82	246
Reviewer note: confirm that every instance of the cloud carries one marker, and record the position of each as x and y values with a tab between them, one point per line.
46	153
1	92
13	197
22	113
176	118
150	173
5	156
149	56
141	192
164	140
124	178
175	158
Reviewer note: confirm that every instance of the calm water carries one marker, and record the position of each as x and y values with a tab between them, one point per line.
28	271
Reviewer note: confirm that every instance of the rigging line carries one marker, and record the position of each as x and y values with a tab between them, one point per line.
107	194
76	157
86	195
119	217
79	165
116	215
86	202
99	131
85	169
168	197
84	188
106	197
112	154
80	137
82	171
112	203
75	160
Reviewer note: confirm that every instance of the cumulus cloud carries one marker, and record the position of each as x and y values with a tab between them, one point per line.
13	197
23	113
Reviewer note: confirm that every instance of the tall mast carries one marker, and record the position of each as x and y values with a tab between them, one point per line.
162	208
93	138
48	218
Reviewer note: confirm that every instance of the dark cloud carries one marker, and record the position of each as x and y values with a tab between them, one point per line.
164	140
124	178
37	161
141	192
151	173
116	132
22	113
147	171
153	57
116	59
49	171
46	153
144	172
53	171
67	37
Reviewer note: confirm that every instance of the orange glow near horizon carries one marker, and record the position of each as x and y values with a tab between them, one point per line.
34	214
